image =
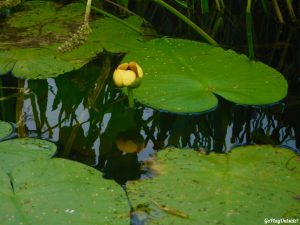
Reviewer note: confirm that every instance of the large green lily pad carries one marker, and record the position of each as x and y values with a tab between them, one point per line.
59	191
5	129
20	150
37	190
185	76
242	187
30	39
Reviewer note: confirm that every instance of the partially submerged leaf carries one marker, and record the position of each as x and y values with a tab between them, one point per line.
59	191
37	190
5	129
34	63
185	76
14	152
29	45
235	188
7	63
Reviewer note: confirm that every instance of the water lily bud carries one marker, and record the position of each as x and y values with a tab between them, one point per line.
128	75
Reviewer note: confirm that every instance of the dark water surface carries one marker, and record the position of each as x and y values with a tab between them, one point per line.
89	119
86	119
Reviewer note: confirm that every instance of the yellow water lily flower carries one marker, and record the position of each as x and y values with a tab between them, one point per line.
128	75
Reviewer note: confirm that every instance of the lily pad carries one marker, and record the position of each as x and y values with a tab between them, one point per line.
17	151
37	63
242	187
30	41
186	76
5	129
59	191
37	190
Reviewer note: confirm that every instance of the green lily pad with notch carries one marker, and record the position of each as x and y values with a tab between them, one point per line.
5	129
243	187
20	150
185	76
59	191
30	39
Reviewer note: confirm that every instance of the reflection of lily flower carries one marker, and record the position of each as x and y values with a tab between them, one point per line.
128	75
130	142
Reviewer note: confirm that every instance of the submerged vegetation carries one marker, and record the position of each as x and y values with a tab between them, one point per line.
117	84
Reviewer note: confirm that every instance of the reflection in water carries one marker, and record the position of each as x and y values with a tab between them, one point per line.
130	142
89	119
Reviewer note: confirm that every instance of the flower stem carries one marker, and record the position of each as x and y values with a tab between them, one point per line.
130	97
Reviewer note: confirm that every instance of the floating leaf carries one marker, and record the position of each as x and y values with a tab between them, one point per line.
5	129
185	76
29	45
242	187
59	191
37	63
7	63
16	151
116	37
37	190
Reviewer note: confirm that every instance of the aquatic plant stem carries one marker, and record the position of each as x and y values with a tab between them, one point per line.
249	30
103	12
186	20
87	11
35	114
130	97
19	110
222	4
204	6
278	12
218	5
289	4
265	6
219	24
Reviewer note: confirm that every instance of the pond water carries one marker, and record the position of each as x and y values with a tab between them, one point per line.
89	120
